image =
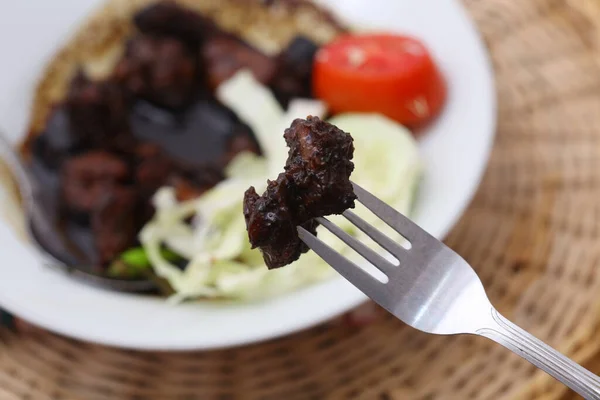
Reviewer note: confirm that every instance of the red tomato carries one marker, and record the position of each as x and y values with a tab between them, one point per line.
389	74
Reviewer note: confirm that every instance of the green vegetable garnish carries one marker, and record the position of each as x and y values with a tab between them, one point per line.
134	263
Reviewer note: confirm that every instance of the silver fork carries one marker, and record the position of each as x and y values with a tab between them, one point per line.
436	291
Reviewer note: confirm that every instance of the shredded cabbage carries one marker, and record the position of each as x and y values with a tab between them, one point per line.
221	262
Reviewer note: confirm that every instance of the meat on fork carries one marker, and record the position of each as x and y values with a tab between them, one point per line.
315	183
272	224
319	166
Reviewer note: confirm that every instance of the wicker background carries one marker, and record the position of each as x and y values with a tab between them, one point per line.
532	233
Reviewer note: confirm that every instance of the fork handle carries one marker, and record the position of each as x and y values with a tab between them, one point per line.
541	355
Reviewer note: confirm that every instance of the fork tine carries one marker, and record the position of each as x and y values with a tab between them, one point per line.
393	218
370	255
380	238
357	276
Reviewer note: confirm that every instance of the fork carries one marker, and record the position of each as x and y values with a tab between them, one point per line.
436	291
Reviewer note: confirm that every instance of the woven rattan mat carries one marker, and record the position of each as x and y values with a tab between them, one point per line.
532	232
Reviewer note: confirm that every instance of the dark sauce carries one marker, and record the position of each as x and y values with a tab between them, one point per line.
197	136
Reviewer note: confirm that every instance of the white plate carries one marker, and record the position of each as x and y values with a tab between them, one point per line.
455	149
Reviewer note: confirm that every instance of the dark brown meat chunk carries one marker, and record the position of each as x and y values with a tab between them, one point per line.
293	74
114	222
316	182
185	189
166	18
272	224
162	70
152	169
190	183
319	165
204	177
86	177
240	141
98	113
155	169
224	55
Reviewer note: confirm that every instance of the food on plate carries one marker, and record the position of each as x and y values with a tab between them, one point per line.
167	18
293	73
161	69
111	143
219	261
389	74
97	115
157	116
87	177
315	183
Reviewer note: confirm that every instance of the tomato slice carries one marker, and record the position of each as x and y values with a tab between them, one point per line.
390	74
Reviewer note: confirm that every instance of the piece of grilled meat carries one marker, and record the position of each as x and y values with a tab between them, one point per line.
315	183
